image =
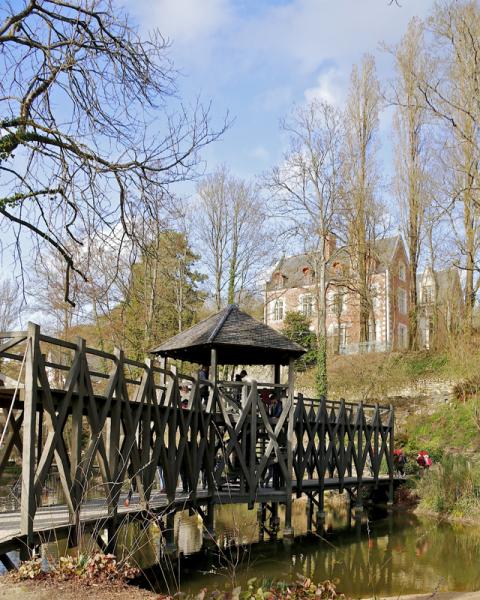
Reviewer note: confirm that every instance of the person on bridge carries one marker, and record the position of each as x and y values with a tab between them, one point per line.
203	377
276	407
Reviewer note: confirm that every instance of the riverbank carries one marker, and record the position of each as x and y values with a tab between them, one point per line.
75	591
70	590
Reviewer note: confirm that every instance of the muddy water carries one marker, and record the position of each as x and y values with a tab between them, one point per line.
392	555
387	555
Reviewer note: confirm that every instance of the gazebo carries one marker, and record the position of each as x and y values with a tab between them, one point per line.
232	337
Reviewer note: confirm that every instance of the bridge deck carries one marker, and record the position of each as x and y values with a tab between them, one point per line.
100	421
53	521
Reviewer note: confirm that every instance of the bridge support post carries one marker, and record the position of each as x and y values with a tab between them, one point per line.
209	522
288	532
112	536
168	533
261	518
309	515
28	501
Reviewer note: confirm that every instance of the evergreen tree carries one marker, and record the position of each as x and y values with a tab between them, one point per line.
296	327
163	297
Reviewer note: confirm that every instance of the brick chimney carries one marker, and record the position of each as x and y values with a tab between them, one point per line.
331	245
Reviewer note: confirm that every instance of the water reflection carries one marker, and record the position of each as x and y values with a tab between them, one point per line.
398	554
393	555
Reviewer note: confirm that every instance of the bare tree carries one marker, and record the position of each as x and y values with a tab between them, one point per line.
88	124
10	305
306	188
412	153
361	178
234	239
450	91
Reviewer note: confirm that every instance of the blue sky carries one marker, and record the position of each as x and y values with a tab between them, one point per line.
257	58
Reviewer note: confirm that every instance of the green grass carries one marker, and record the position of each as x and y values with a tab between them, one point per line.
451	435
423	364
452	426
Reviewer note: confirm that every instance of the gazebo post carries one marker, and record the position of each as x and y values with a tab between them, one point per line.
213	367
288	531
213	376
276	374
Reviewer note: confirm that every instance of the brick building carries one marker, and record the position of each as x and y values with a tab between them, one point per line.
293	285
441	305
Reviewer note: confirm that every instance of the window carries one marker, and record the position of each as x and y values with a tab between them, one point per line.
343	338
278	309
337	303
402	272
402	301
371	331
306	305
402	336
308	274
427	294
375	295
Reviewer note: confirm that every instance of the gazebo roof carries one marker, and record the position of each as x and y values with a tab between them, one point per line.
238	338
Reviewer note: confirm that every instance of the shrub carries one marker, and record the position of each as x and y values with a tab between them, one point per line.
452	487
96	567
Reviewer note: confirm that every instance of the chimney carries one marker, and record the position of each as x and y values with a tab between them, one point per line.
330	245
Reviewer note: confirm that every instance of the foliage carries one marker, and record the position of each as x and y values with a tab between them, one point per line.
321	375
96	568
163	296
451	426
296	327
30	569
302	589
452	487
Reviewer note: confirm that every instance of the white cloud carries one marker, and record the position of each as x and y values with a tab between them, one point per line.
330	87
183	21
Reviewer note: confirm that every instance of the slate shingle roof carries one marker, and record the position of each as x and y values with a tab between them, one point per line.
291	267
239	339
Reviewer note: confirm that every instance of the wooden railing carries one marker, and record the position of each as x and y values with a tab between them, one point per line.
95	415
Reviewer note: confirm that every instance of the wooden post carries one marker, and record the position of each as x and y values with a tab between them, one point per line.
391	423
27	506
276	373
213	377
288	532
360	433
77	416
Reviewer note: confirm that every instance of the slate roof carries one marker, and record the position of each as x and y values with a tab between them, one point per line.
291	267
239	339
447	282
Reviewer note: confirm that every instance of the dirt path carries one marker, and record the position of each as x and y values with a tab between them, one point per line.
70	591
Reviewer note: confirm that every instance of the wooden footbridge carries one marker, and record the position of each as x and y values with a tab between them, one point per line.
107	427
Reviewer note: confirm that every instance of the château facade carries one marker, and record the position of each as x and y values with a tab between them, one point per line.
293	286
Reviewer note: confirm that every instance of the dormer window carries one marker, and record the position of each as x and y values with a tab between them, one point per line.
308	275
278	281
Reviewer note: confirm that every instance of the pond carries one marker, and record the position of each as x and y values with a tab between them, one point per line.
397	554
383	555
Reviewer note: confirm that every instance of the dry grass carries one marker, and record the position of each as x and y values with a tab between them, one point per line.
375	376
70	590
